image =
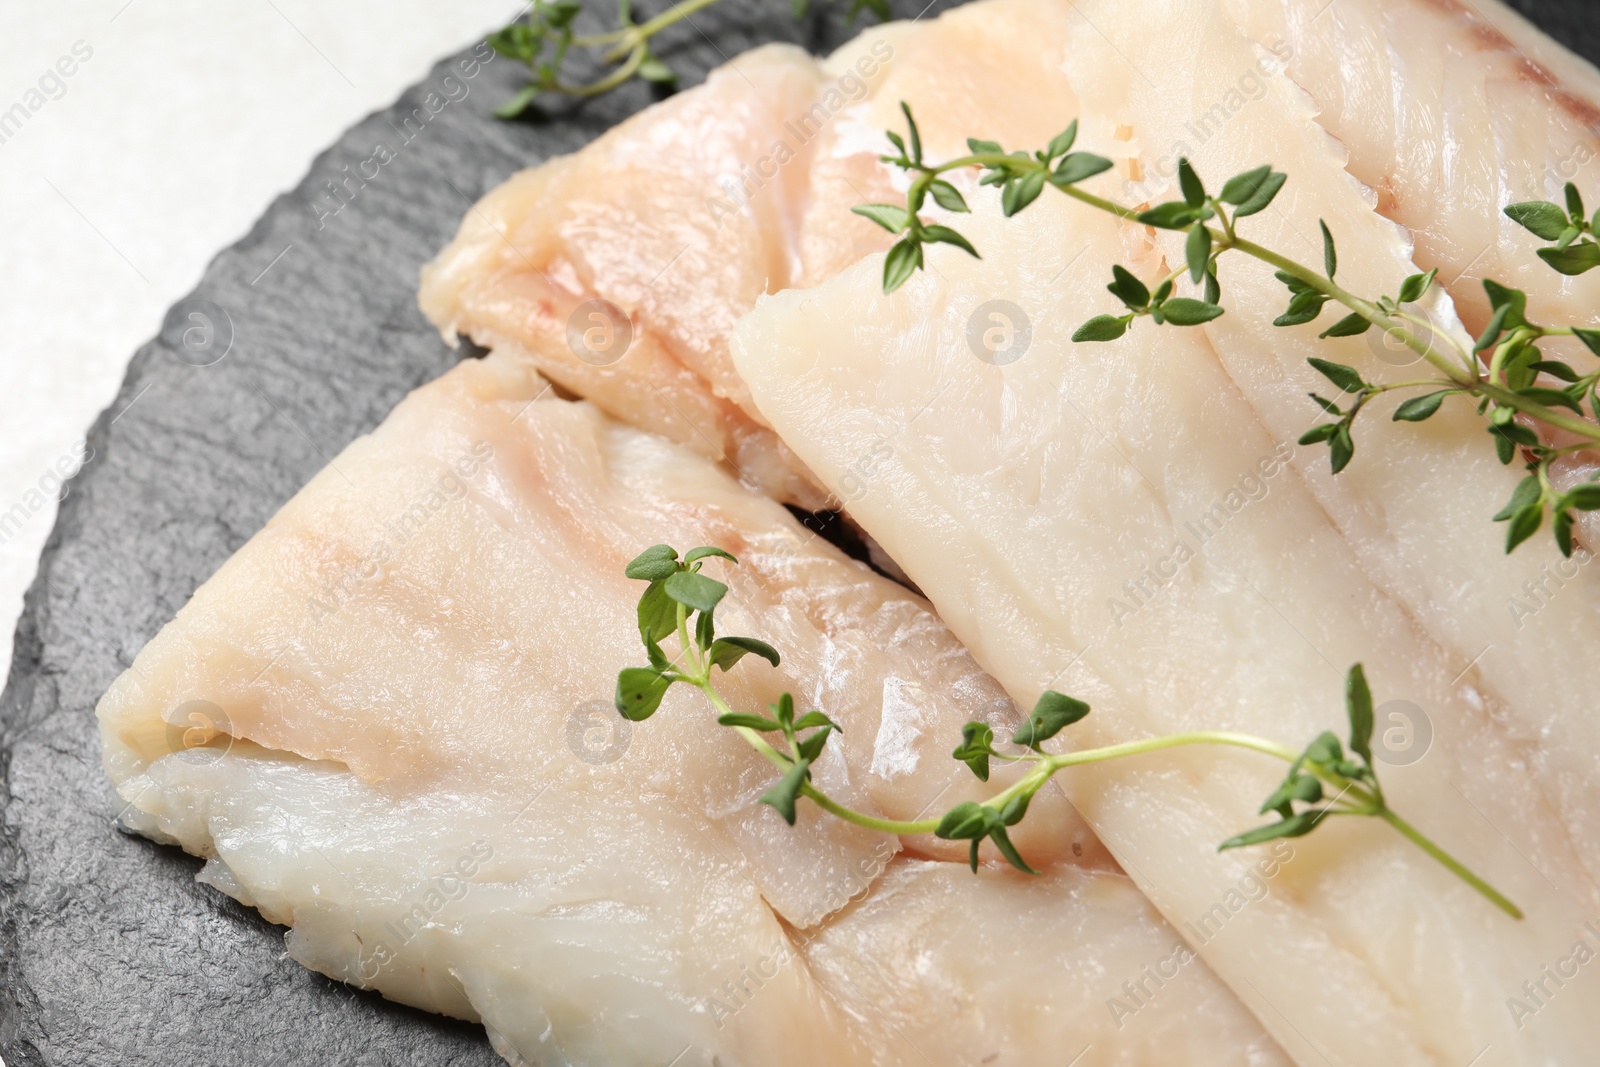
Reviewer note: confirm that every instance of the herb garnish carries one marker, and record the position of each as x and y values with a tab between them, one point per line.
542	38
679	594
1517	388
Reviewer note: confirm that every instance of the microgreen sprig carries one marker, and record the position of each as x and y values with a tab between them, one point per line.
680	599
1523	395
543	36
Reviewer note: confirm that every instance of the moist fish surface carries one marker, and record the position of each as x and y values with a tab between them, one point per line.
620	270
386	723
1132	523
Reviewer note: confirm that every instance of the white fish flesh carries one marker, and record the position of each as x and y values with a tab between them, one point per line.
619	271
386	723
1131	523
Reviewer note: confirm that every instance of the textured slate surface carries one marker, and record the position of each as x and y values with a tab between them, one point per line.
110	953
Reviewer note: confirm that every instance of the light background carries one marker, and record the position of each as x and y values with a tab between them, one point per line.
185	121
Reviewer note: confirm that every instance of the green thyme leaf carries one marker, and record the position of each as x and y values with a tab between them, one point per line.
1413	288
1265	192
977	745
1358	703
1491	332
901	263
1556	369
1585	497
1590	338
1007	849
947	196
1330	256
812	747
911	131
1174	215
891	217
754	722
705	631
1294	826
1324	749
1197	250
1540	217
783	711
1352	325
1527	491
1194	192
813	719
1420	408
1574	202
1344	377
1326	405
1184	311
1103	328
1524	524
1021	192
1296	285
654	564
1318	434
726	651
651	69
1015	809
782	797
1302	787
1572	260
964	821
945	235
695	590
658	614
1241	187
1061	144
1052	713
984	148
1550	398
694	555
639	692
1562	526
1304	307
1514	299
1505	448
1129	289
1341	448
1078	166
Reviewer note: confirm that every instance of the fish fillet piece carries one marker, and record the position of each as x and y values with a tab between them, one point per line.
1116	522
1450	110
1042	948
632	220
386	723
682	216
1415	503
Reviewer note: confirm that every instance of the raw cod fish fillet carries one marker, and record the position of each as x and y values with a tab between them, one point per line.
679	218
1450	110
1132	523
386	723
1415	509
1492	112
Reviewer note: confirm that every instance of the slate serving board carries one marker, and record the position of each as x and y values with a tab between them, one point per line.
110	952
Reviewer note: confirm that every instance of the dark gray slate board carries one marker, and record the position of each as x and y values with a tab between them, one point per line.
110	953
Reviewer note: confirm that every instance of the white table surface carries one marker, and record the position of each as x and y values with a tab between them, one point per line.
102	231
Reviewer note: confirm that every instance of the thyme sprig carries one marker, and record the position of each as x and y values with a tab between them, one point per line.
544	36
1523	394
679	599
